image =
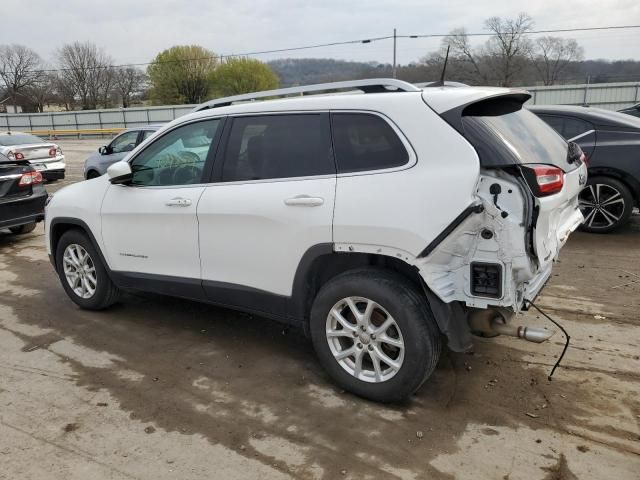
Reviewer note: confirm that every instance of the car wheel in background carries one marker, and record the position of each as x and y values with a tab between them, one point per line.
606	204
82	273
374	334
92	174
22	229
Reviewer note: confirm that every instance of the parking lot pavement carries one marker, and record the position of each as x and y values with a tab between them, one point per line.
160	388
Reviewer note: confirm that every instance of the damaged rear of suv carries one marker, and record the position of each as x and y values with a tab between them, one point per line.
378	220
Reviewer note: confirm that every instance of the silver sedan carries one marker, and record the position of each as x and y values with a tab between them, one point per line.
44	156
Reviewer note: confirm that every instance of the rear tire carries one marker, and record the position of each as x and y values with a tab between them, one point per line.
82	273
606	204
92	174
410	342
22	229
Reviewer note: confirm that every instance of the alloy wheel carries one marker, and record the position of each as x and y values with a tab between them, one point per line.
602	205
365	339
79	270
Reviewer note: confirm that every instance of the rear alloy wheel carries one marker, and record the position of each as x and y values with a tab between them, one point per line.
373	332
606	205
22	229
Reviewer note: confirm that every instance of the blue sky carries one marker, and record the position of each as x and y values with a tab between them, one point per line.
135	30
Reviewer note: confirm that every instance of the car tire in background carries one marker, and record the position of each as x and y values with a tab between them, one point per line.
606	204
22	229
82	273
92	174
386	350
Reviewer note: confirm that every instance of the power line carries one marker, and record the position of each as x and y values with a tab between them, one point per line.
333	44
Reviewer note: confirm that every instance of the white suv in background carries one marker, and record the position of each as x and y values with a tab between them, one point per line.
378	221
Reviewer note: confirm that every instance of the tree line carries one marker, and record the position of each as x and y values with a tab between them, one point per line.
84	75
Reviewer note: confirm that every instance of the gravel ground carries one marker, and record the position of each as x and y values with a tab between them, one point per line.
159	388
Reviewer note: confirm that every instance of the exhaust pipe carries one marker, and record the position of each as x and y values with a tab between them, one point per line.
491	323
531	334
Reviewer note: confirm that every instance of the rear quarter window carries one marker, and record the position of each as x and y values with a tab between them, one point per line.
364	142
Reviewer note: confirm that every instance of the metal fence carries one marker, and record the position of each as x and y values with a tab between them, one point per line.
106	119
612	96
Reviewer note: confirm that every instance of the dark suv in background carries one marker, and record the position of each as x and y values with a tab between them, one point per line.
611	143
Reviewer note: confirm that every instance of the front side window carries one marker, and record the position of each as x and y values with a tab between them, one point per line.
176	158
124	143
364	141
278	146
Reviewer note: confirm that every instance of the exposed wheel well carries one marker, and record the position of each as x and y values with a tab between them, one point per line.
92	174
326	266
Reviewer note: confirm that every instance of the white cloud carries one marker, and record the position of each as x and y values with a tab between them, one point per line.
134	31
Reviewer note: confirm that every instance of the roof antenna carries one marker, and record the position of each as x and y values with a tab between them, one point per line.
440	83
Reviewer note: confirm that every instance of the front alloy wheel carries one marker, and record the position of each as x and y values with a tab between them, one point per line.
79	271
606	204
365	340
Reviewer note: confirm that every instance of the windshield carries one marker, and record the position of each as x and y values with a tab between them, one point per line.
515	137
10	139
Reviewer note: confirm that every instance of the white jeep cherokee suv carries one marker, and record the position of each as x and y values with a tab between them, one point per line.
379	222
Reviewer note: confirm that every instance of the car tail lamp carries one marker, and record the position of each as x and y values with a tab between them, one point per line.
544	179
15	155
30	178
53	152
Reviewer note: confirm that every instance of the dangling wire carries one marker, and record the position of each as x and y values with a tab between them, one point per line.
568	338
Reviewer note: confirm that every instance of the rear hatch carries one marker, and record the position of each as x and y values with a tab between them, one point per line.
513	139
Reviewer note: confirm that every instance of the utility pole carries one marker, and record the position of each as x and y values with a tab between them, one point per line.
394	52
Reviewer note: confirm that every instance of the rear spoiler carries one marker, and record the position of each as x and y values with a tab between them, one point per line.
499	104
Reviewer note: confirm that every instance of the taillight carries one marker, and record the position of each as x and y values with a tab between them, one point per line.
30	178
544	179
53	152
584	158
15	155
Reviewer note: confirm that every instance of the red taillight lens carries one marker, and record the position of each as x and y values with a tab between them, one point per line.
549	179
53	152
30	178
15	155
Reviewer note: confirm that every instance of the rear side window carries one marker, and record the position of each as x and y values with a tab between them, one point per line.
568	127
278	146
365	142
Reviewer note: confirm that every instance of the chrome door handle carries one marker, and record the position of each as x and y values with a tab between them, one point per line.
178	202
304	201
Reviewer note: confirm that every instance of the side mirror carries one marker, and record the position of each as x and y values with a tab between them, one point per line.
103	150
119	173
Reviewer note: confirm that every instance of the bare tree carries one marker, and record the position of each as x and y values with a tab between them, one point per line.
64	92
85	70
463	53
508	48
20	67
552	55
40	92
127	82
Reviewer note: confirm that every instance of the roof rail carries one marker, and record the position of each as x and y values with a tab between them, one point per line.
373	85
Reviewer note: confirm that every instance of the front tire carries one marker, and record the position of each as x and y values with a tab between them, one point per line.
374	334
606	204
82	273
22	229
